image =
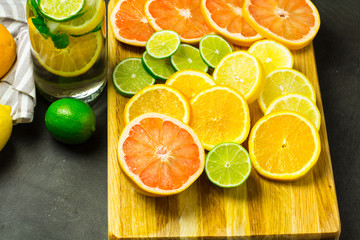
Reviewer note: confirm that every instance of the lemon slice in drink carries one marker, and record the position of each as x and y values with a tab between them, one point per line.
72	61
94	12
61	10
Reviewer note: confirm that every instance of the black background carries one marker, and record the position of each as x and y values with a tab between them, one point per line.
49	190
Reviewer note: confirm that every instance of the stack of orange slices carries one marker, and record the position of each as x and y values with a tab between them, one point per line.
293	23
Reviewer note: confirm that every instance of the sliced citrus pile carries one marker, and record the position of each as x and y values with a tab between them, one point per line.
93	13
283	81
190	82
272	55
241	71
129	22
160	154
183	17
297	103
219	114
159	98
284	146
225	17
79	56
293	23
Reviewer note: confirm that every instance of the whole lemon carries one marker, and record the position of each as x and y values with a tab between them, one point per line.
7	50
5	125
70	121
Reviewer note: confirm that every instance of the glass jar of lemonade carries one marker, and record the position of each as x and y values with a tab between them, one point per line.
68	47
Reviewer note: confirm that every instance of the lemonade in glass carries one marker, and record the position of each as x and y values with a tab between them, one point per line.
68	47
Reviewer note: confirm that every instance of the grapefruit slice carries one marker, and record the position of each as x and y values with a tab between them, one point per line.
129	23
160	154
183	17
294	23
225	18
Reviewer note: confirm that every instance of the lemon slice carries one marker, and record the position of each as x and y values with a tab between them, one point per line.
272	55
241	71
297	103
72	61
283	81
94	13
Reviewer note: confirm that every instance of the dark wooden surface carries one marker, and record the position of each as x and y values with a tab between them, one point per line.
49	190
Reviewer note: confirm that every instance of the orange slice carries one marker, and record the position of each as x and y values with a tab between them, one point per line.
183	17
190	82
294	23
225	18
158	98
220	114
129	23
160	154
284	146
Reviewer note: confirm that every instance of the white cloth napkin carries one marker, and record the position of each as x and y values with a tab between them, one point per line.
17	88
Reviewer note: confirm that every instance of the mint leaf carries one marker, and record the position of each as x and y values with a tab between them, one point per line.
40	25
60	40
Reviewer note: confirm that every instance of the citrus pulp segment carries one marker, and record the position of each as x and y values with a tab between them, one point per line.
293	23
228	165
272	55
190	82
129	77
284	146
163	44
60	10
283	81
213	48
241	71
160	154
297	103
225	18
219	114
76	59
93	13
158	68
188	57
129	23
183	17
158	98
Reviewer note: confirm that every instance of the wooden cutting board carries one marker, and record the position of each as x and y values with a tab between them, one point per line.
259	209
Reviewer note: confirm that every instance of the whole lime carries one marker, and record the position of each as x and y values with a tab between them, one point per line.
70	121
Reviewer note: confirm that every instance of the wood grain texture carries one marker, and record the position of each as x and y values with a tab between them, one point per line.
259	209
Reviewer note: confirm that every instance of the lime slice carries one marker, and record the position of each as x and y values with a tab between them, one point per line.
163	44
61	10
228	165
188	57
130	76
158	68
213	48
92	15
